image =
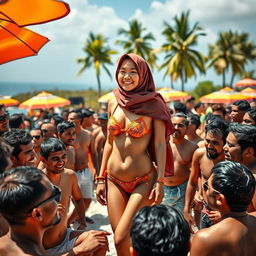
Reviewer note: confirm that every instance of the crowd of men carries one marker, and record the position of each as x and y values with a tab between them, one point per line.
50	163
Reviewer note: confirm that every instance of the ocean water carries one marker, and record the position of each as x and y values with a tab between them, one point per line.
13	88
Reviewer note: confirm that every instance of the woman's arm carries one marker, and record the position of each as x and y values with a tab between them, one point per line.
160	151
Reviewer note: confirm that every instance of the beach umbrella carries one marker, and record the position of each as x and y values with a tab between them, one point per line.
8	101
106	97
169	94
31	12
17	42
225	95
44	100
249	92
247	82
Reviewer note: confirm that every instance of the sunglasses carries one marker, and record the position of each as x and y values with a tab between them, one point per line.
206	187
37	137
4	117
56	195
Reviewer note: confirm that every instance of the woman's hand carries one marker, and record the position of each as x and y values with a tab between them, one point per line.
101	193
157	193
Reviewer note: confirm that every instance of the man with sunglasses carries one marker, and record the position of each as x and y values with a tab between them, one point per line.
60	239
203	160
229	190
38	139
4	120
29	202
241	147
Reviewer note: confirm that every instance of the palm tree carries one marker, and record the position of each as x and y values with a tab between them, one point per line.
232	51
181	60
248	74
98	55
138	43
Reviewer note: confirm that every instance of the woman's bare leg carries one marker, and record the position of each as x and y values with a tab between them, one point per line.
123	208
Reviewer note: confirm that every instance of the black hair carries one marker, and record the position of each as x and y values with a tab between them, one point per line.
190	99
245	135
194	119
16	120
16	137
78	112
63	126
218	125
37	129
180	107
51	145
197	105
20	189
160	230
252	113
181	114
57	119
242	105
5	151
236	182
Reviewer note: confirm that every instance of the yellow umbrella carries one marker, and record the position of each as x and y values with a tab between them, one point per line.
44	100
247	82
249	92
8	101
169	94
225	95
106	97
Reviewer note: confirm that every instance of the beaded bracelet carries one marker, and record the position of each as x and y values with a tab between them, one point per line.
160	180
101	180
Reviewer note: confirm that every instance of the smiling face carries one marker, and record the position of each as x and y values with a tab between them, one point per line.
68	136
26	157
214	145
179	126
56	161
128	77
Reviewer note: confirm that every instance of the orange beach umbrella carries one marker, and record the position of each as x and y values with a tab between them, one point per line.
249	92
247	82
44	100
225	95
169	94
8	101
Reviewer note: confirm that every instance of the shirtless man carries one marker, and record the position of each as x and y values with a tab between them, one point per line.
229	190
175	186
48	129
60	239
193	125
241	147
203	160
4	120
66	133
37	136
23	149
239	108
82	147
101	136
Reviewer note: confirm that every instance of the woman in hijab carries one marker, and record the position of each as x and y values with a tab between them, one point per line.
137	153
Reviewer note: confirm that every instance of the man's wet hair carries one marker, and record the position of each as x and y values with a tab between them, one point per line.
78	112
160	230
245	135
15	138
63	126
252	113
242	105
16	120
218	125
51	145
236	182
194	119
180	114
20	190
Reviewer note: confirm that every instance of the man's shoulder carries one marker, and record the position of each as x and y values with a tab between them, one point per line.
9	247
68	172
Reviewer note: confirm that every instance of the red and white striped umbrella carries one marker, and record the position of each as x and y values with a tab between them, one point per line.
44	100
247	82
249	92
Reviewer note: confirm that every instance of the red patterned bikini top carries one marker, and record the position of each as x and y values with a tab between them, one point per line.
137	128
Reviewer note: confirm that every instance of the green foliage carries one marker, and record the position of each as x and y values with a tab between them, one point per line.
203	88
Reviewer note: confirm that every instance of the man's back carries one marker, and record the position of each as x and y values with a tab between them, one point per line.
233	236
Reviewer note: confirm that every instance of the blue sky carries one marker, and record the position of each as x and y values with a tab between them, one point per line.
56	63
